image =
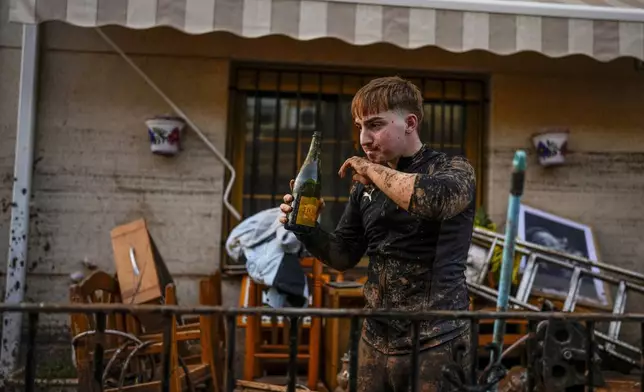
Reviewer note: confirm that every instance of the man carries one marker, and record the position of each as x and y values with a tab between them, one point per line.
411	211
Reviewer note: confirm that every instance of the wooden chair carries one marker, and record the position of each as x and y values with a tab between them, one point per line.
208	329
97	288
256	351
199	369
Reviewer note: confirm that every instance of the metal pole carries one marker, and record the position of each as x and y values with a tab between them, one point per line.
516	191
19	226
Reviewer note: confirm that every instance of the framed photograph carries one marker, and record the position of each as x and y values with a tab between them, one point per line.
555	232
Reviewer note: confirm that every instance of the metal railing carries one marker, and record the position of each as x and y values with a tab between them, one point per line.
474	381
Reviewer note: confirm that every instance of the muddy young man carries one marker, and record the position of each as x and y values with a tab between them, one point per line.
411	211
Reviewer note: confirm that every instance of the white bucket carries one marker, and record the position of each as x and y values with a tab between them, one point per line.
551	146
165	134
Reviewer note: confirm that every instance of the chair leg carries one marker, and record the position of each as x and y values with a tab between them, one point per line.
175	370
209	339
316	329
250	365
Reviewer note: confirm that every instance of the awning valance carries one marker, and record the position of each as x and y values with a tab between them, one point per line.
602	29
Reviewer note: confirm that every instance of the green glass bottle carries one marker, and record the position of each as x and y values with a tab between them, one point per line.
306	190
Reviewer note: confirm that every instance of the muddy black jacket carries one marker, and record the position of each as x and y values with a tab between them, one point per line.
417	259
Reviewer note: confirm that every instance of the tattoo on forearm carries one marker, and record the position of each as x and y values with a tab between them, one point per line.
446	192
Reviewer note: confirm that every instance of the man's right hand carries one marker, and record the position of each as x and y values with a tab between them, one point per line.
286	206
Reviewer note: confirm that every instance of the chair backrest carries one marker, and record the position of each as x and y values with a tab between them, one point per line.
99	288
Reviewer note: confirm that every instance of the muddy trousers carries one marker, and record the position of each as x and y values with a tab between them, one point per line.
378	372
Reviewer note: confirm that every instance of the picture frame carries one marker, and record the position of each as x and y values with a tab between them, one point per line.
547	229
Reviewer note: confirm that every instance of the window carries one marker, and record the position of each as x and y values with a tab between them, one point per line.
275	111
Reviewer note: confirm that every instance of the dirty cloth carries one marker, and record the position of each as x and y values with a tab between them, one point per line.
417	259
271	254
378	372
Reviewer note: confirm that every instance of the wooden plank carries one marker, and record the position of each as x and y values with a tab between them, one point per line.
259	386
256	386
144	287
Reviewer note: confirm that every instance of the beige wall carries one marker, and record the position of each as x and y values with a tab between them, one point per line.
602	184
95	170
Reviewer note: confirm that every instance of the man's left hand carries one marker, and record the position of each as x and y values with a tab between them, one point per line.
360	167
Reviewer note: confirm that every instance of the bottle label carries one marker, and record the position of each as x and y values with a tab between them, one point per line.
307	211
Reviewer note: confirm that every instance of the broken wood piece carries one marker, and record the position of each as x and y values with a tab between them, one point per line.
254	386
135	264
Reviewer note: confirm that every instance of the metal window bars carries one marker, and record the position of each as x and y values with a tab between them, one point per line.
275	108
544	341
283	108
581	267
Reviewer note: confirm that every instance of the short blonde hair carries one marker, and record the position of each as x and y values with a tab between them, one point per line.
388	93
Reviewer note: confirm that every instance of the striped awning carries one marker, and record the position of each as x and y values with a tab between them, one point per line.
602	29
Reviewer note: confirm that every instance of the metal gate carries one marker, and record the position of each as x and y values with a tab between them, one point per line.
560	345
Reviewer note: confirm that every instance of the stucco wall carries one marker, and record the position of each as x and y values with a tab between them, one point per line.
602	183
95	170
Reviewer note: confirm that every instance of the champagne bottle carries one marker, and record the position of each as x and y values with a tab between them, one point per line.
306	190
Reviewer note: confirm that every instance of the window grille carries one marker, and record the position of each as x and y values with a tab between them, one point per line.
274	112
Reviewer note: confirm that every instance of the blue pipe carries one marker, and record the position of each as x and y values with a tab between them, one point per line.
516	191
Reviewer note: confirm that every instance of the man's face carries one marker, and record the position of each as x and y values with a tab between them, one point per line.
382	135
